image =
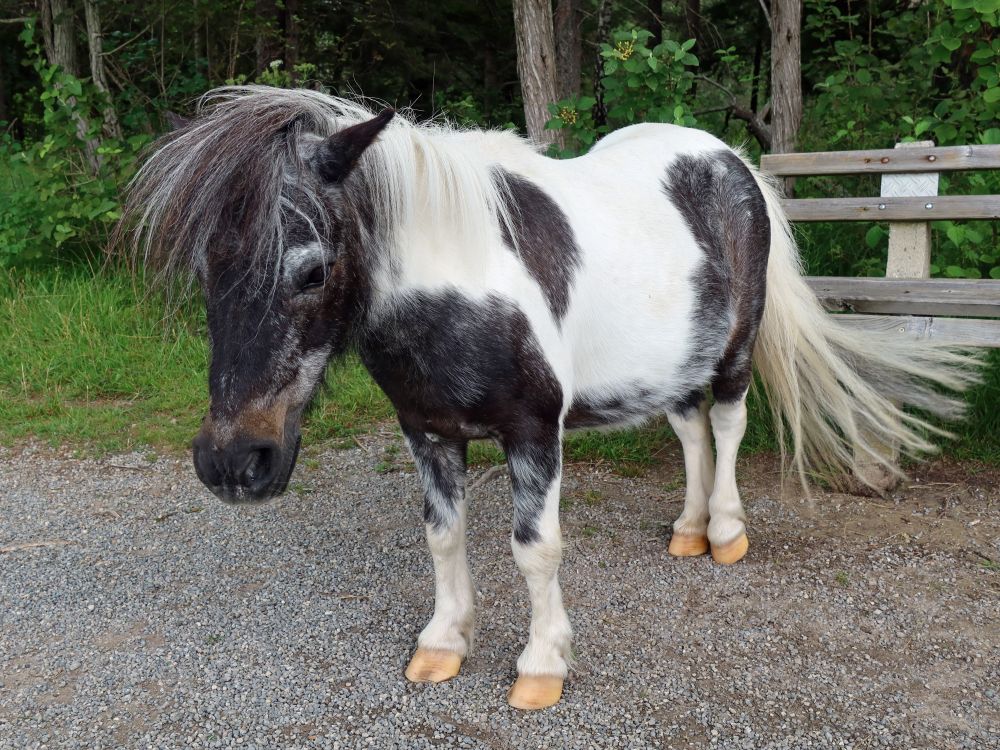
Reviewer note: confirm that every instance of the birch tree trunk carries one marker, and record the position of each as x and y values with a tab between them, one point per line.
536	66
786	74
567	24
97	73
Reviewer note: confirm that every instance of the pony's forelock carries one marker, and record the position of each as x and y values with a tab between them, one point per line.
233	174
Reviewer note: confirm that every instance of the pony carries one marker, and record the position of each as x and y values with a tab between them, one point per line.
495	293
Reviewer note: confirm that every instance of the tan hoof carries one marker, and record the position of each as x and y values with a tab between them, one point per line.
688	545
731	552
531	692
433	665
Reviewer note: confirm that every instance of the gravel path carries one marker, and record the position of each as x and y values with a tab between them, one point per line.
137	611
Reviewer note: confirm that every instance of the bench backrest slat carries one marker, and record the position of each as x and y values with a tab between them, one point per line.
931	208
954	331
962	297
881	161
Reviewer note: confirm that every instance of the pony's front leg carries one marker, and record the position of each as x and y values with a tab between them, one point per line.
447	638
535	460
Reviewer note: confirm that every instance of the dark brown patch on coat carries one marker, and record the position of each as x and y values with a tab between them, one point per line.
460	368
725	210
544	239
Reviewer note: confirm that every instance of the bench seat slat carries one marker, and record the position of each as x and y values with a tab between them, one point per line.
962	297
883	161
963	332
894	209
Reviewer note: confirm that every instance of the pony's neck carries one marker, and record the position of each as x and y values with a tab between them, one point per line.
436	204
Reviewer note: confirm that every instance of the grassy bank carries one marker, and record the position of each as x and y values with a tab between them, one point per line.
89	361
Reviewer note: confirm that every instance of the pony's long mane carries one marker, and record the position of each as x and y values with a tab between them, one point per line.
235	172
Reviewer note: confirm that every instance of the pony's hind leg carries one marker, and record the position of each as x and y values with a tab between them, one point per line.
535	462
447	638
727	527
691	426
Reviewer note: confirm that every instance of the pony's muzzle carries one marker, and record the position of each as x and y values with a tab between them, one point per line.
243	470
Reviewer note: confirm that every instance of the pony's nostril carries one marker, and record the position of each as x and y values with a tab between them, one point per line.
257	468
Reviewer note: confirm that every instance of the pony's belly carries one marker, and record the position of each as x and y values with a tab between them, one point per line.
617	406
630	346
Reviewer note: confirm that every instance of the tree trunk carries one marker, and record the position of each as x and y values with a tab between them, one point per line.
758	57
655	26
600	112
3	94
45	20
536	66
96	47
786	74
58	33
266	46
567	24
64	36
199	65
491	83
692	22
291	26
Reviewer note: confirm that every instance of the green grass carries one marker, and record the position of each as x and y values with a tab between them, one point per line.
88	360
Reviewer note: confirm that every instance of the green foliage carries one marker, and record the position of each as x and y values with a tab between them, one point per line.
61	188
928	71
640	85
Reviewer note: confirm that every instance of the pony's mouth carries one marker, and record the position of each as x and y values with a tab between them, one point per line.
258	473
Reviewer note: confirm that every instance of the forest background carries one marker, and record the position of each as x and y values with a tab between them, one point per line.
89	358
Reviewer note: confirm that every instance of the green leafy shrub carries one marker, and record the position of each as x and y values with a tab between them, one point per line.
640	85
927	72
61	187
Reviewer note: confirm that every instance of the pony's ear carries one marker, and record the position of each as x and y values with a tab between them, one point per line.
176	121
337	155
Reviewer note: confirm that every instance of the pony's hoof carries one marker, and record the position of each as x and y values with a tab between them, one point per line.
731	552
688	545
531	692
433	665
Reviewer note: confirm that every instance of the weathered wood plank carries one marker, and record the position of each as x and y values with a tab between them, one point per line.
894	209
971	297
936	159
958	331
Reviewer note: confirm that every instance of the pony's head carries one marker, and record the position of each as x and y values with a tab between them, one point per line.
255	199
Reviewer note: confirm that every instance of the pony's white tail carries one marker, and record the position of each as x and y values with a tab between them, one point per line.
837	393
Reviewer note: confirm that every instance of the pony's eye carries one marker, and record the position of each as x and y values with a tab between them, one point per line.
316	277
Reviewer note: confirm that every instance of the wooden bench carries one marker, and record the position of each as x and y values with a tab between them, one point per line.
963	311
906	300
